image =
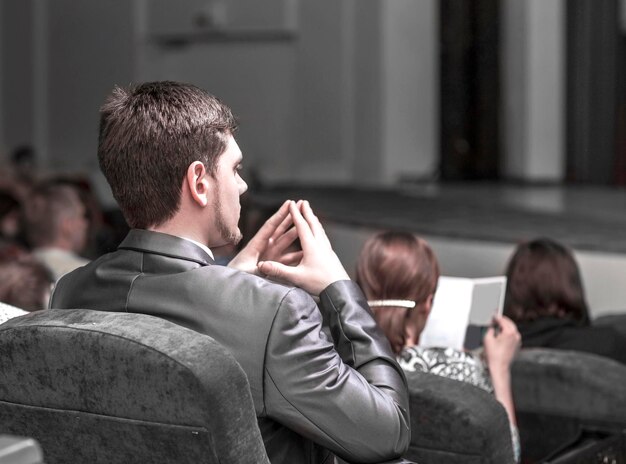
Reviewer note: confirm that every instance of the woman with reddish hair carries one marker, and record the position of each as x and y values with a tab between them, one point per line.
398	273
545	297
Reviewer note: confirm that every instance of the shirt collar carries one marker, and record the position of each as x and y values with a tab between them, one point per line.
201	245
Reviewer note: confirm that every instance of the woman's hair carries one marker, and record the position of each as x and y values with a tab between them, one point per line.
396	265
543	281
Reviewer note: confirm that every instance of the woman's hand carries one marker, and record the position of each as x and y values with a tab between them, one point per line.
501	342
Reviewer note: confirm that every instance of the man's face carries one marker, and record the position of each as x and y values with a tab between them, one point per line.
74	226
229	187
80	227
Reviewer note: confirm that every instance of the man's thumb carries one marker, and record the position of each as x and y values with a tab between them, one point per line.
273	269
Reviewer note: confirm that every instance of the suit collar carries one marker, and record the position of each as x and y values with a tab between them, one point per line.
148	241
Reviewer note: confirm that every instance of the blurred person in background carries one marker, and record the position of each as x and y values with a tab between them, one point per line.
56	228
398	273
24	286
10	216
100	234
23	163
546	299
12	235
11	222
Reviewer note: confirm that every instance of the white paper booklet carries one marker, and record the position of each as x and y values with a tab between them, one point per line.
460	302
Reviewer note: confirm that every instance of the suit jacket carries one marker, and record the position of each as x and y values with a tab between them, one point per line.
323	377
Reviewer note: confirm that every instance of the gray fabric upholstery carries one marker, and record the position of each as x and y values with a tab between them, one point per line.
455	422
616	321
558	392
122	388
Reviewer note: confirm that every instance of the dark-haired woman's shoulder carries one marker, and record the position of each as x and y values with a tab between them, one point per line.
565	334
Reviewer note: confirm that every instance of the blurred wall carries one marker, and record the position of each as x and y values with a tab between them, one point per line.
59	60
1	86
340	92
410	99
533	83
88	50
344	93
16	40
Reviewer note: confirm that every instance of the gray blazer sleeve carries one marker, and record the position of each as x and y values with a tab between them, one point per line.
347	394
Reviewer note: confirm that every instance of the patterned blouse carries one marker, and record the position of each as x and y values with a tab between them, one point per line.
454	364
447	362
9	312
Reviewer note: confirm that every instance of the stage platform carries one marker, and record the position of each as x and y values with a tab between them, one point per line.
474	227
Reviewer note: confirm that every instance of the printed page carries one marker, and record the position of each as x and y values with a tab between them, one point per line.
447	323
458	303
487	299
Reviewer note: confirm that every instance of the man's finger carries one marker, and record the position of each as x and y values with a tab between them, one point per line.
275	270
303	228
292	259
267	230
286	223
286	239
312	219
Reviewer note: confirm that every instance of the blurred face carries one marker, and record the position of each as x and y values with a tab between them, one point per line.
73	228
229	187
80	228
10	224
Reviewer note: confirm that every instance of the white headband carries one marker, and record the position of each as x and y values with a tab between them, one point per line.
399	303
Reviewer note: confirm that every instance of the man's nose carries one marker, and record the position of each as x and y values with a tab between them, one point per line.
242	187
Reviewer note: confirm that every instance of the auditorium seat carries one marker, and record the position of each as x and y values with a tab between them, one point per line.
19	450
558	393
455	422
617	321
99	387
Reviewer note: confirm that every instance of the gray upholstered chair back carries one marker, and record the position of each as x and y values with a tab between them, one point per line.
616	321
558	392
455	422
102	387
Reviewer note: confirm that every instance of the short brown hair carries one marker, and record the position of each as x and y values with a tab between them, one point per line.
396	265
50	203
149	135
543	280
24	283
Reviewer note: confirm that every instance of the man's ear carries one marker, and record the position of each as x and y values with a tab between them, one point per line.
197	183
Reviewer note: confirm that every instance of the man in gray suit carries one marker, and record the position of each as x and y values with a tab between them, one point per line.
169	155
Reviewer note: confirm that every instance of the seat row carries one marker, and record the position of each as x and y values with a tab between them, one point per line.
95	387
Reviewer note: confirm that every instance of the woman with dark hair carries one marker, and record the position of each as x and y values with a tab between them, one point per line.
545	297
398	273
